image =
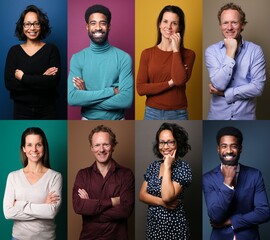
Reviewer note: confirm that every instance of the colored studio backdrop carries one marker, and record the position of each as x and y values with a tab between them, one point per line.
257	16
146	14
10	140
80	156
57	14
121	34
255	153
144	141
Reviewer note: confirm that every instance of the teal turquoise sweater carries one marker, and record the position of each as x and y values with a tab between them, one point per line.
102	68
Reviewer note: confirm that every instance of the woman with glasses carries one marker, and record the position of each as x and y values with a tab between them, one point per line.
164	183
32	70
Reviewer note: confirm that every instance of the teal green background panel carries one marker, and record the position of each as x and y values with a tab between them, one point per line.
10	137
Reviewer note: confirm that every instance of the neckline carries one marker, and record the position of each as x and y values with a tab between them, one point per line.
30	56
96	48
38	181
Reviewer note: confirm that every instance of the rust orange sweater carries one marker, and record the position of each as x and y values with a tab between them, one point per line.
156	68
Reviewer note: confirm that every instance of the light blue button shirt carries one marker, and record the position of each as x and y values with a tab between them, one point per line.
242	79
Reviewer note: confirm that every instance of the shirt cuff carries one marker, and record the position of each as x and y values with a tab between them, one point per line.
231	187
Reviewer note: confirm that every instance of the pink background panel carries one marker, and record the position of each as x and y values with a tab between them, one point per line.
121	34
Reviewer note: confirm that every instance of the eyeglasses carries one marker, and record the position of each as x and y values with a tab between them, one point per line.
29	24
104	145
170	143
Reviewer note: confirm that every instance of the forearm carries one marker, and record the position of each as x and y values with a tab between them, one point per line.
14	213
244	92
168	193
41	211
41	81
87	97
218	203
181	71
121	100
150	199
220	70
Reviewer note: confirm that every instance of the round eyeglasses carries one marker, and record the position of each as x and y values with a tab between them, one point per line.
29	24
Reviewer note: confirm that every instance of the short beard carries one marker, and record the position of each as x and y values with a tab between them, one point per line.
229	162
99	41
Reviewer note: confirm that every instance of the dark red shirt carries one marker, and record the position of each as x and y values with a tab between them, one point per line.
101	220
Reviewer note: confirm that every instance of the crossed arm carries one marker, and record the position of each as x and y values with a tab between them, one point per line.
17	209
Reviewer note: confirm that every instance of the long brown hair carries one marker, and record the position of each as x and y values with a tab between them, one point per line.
177	10
35	131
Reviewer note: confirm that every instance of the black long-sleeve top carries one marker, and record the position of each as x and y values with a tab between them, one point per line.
34	88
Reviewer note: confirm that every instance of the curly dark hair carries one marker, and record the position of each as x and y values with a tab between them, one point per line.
102	128
43	19
98	9
180	135
229	131
35	131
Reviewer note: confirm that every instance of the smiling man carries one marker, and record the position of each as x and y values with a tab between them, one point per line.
104	192
235	194
236	69
100	78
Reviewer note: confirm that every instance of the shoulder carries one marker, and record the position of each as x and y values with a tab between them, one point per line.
150	50
211	172
249	170
15	48
122	169
181	166
215	46
188	52
252	46
120	52
54	173
17	174
81	52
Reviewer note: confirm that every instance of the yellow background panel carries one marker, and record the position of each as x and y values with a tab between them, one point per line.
146	14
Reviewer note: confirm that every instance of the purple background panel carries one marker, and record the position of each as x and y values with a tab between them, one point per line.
121	34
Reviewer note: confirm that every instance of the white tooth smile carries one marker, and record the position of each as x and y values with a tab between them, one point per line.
98	34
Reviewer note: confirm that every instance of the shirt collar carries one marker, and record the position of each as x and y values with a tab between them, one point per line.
114	166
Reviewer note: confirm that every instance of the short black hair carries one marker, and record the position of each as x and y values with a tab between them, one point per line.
180	135
43	19
97	8
230	131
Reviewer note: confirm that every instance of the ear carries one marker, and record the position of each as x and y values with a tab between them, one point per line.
109	27
87	27
23	148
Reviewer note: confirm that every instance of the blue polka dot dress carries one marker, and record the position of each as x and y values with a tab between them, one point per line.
163	223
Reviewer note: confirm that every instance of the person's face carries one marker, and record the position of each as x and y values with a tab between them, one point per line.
98	28
229	150
169	24
102	147
31	26
167	143
230	24
33	149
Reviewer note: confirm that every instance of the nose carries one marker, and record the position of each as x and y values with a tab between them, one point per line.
229	25
229	150
169	25
98	26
